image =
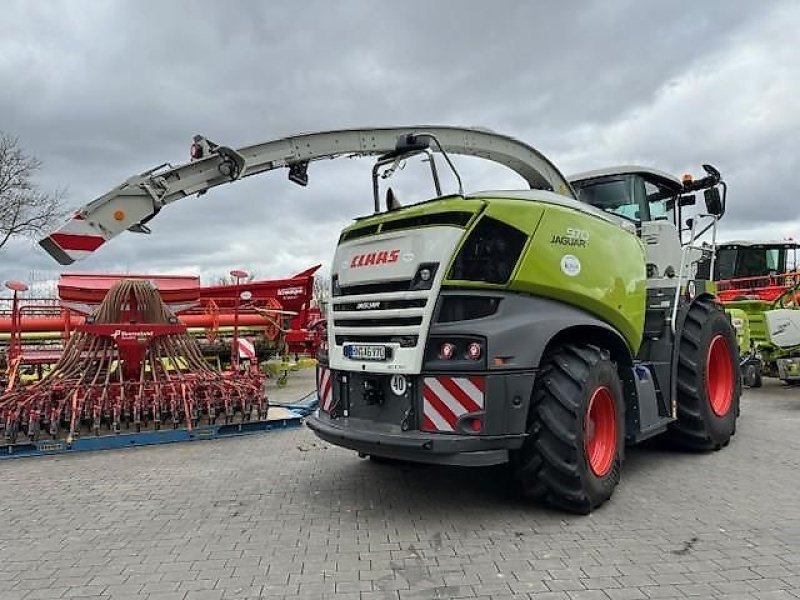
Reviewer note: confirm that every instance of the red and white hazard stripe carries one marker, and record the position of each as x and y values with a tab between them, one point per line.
246	348
325	388
446	399
77	238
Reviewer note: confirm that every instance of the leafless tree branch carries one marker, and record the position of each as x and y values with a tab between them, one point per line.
322	292
25	210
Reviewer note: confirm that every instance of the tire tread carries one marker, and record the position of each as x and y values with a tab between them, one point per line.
691	430
547	468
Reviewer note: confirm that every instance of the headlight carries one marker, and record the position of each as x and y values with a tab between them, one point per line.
423	280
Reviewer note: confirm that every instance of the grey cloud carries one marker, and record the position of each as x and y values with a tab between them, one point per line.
103	90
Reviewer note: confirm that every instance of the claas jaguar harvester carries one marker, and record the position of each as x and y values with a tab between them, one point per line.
545	327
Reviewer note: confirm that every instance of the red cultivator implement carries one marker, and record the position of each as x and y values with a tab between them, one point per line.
130	365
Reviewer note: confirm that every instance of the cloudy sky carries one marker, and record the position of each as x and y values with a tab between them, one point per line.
100	90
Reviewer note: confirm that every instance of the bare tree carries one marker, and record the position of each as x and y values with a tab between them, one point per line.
25	210
322	292
42	284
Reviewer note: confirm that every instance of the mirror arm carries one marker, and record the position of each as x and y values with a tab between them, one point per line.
447	158
434	173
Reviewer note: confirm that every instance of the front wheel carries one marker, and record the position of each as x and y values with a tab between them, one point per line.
572	456
709	380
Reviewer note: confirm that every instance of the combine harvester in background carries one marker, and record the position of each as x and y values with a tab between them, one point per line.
758	283
131	366
538	327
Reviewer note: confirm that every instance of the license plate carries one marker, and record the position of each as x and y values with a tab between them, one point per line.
366	352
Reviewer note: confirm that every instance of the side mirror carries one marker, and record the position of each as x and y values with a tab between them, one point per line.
713	202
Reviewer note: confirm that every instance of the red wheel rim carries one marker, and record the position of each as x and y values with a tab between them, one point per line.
600	432
719	376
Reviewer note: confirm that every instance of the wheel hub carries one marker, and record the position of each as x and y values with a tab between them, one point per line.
719	376
600	432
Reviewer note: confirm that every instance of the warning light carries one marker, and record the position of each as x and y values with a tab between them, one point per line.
196	151
474	351
447	351
687	178
475	425
119	215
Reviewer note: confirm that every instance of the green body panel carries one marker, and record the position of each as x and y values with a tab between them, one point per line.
611	283
525	215
753	311
579	259
742	326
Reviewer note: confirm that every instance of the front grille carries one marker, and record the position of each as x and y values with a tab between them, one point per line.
385	312
380	304
390	322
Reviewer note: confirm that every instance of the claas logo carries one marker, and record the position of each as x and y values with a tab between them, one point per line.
383	257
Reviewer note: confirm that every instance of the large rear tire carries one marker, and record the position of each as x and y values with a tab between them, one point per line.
572	456
709	380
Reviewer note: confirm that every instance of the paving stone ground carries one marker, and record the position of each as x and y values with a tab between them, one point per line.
283	515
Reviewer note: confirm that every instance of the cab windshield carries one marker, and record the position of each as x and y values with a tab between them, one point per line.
753	261
632	197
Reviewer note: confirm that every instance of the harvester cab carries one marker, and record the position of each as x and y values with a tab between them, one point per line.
538	327
655	202
755	270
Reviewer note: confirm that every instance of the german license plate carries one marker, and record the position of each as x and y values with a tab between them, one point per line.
366	352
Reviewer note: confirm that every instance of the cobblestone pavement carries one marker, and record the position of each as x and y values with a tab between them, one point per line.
283	515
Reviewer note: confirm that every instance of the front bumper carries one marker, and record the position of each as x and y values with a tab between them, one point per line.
381	439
